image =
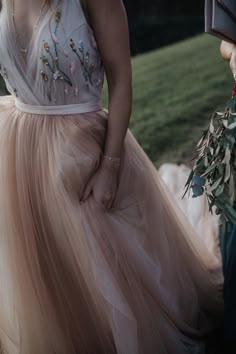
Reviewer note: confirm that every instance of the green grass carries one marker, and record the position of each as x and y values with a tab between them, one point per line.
175	91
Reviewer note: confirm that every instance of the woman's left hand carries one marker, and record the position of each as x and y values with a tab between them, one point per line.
228	52
103	184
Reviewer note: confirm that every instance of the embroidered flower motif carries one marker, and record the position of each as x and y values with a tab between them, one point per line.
52	59
72	67
44	76
46	46
58	16
81	46
52	62
11	89
72	45
54	38
44	60
57	75
84	58
56	68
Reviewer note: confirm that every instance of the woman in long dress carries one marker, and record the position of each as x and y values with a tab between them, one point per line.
95	256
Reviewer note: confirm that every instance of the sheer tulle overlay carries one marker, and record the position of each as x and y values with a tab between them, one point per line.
80	279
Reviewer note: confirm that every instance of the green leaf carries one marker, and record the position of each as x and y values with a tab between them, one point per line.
232	126
211	127
220	114
231	188
190	177
215	184
227	156
220	190
205	161
227	173
225	123
221	169
211	150
201	140
209	169
217	149
200	163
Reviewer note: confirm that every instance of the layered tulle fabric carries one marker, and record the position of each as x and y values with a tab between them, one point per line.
81	279
196	210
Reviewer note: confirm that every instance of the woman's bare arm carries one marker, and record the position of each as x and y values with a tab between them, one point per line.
109	21
226	50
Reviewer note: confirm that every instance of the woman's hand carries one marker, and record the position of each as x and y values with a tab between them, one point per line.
103	184
228	52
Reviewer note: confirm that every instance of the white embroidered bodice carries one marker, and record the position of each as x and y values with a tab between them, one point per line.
63	62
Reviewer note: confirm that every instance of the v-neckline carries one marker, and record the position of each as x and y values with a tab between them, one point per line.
25	55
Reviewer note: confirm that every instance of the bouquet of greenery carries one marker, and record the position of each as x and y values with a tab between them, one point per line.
214	170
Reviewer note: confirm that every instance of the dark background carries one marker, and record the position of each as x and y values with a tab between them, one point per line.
156	23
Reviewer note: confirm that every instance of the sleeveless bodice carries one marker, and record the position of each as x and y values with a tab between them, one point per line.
63	66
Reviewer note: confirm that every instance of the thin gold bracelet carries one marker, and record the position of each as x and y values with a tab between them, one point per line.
111	158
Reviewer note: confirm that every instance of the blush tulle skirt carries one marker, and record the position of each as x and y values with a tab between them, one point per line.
80	279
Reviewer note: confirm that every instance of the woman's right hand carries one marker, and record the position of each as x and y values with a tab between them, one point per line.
103	184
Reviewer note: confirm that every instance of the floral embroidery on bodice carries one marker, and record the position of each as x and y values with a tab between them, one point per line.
64	65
